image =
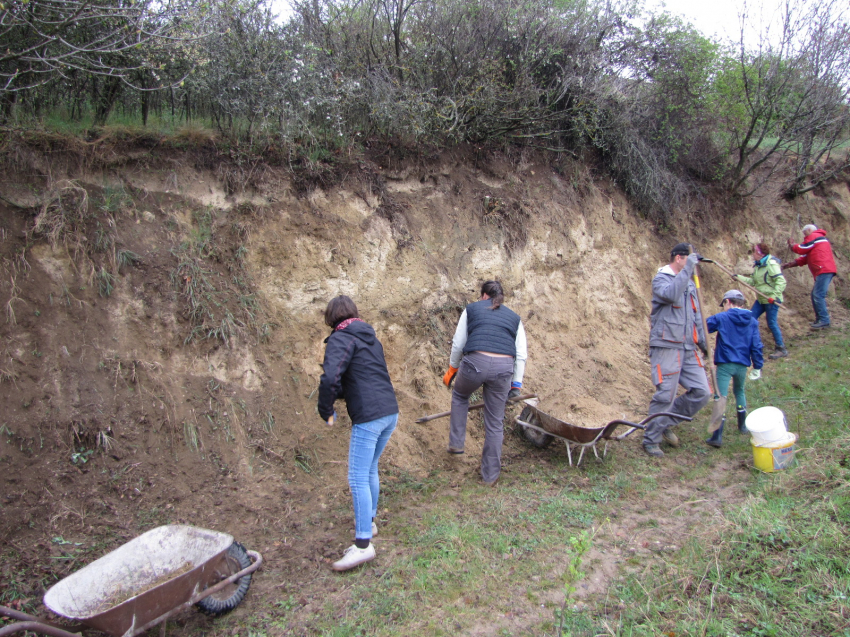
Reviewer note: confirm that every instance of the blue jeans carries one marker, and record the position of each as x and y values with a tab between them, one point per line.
368	441
772	312
819	297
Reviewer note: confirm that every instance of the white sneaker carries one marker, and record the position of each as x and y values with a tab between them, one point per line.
374	529
354	556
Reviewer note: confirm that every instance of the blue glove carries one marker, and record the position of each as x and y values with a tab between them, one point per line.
515	387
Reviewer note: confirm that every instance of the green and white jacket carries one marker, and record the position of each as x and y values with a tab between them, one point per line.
767	278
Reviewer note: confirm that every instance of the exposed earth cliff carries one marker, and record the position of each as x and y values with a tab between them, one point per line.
163	333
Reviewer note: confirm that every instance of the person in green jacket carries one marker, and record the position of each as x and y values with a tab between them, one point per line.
768	279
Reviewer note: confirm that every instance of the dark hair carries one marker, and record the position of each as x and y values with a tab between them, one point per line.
339	309
737	302
763	248
493	289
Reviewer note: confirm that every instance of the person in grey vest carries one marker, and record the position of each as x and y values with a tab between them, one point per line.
675	340
489	349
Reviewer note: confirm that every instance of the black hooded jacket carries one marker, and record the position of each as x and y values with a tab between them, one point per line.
355	369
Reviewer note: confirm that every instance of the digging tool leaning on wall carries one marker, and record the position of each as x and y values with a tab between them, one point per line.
676	338
355	369
489	349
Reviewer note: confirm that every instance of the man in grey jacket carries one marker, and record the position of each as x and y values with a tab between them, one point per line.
675	338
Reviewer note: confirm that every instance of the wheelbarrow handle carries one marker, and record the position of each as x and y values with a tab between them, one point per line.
257	561
33	626
642	424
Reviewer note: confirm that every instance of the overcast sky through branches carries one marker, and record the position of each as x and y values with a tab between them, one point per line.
712	17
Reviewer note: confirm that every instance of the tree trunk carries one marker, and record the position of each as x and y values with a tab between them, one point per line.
106	100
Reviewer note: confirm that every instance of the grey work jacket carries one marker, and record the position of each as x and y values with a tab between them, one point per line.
675	321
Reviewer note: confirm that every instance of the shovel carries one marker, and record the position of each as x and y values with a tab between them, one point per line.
443	414
709	361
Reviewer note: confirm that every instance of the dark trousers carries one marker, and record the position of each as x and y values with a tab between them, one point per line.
494	373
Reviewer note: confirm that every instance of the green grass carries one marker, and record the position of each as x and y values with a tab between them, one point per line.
466	558
781	566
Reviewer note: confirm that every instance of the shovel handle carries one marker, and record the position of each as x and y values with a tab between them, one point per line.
709	361
443	414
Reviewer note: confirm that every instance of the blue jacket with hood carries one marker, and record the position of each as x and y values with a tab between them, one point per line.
738	338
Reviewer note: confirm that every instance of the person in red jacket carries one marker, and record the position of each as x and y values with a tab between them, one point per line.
817	254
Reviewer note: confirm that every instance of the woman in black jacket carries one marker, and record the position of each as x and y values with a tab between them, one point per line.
355	369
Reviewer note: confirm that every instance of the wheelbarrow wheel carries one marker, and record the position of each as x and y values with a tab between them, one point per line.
536	438
229	597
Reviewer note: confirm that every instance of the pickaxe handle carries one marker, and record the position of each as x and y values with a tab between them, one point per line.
746	285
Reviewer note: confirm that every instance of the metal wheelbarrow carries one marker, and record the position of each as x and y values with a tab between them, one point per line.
145	581
540	429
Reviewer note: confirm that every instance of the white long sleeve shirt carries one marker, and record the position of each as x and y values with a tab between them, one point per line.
459	341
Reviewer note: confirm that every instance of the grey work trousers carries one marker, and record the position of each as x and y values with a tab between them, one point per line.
494	373
671	368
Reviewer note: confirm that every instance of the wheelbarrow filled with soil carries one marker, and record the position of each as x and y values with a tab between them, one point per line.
147	580
540	429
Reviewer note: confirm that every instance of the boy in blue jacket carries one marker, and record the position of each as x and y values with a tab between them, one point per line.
738	345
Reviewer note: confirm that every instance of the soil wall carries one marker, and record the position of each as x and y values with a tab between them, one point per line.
162	335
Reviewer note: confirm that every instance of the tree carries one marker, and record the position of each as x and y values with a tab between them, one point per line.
42	40
784	103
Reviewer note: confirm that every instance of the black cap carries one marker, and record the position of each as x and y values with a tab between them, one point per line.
681	248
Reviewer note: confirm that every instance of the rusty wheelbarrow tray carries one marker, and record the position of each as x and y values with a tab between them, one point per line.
145	581
539	428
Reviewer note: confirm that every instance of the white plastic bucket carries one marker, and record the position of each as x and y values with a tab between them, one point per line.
767	425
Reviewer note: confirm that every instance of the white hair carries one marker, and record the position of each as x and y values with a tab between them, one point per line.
809	228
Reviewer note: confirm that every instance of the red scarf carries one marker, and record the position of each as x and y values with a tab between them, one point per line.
346	323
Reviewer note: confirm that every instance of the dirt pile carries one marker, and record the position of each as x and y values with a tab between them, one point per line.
163	336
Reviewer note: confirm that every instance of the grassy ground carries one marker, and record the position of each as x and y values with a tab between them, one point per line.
459	558
549	551
781	565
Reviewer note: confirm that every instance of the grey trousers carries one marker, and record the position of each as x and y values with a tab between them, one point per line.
671	368
494	373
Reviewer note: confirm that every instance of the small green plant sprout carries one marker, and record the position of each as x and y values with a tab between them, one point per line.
82	456
114	199
268	422
287	604
62	541
127	258
103	239
845	394
303	460
190	435
580	545
105	282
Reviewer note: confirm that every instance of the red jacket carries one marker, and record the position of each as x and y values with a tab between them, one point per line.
817	254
